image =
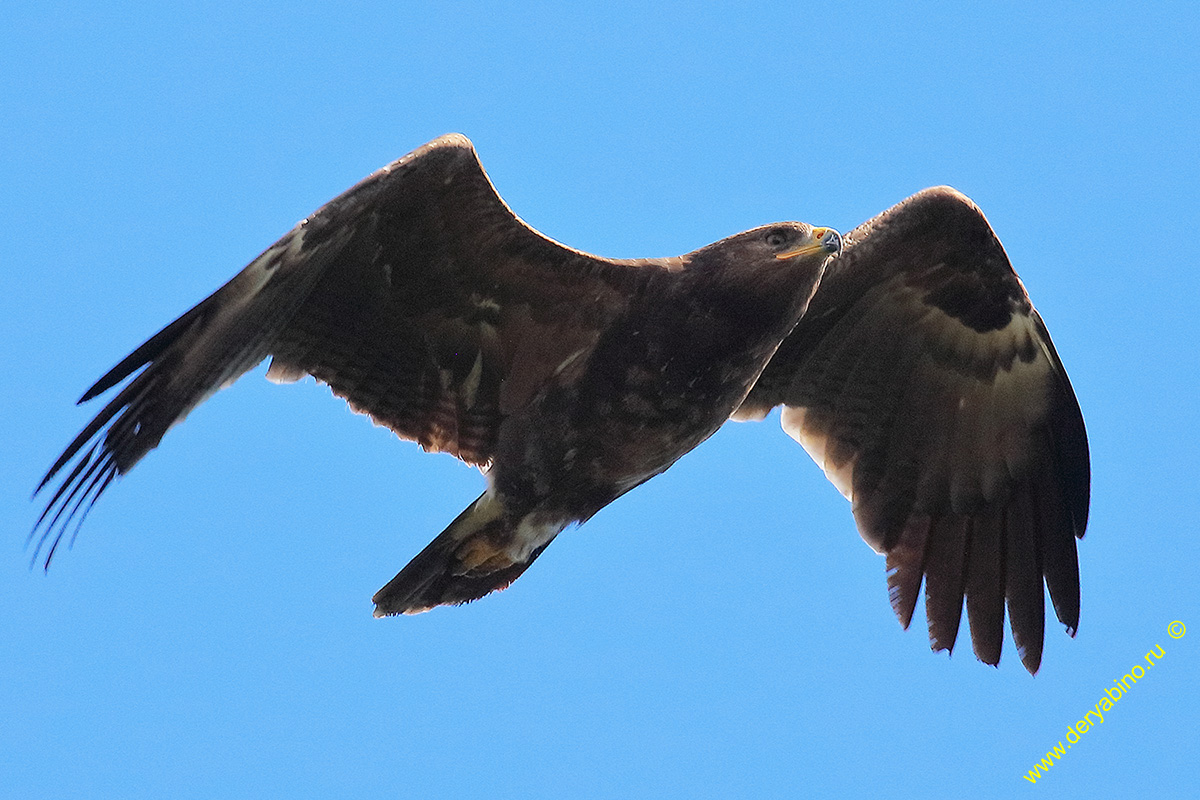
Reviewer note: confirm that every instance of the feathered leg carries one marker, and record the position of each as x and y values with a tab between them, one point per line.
483	550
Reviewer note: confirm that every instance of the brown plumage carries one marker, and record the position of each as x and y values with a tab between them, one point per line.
920	378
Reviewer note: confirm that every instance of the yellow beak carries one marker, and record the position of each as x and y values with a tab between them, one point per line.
825	240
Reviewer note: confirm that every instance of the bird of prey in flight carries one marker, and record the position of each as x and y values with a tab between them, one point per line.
906	356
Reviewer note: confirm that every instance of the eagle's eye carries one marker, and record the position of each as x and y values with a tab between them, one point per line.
776	238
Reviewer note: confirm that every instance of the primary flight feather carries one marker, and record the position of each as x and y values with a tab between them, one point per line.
907	358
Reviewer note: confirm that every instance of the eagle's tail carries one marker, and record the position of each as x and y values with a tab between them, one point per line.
483	550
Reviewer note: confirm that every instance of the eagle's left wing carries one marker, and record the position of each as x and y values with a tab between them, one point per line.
207	348
417	295
924	383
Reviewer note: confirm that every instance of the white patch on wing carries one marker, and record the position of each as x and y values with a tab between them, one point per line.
815	444
996	418
259	271
281	372
977	435
744	414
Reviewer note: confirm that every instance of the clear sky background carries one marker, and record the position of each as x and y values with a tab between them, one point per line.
721	632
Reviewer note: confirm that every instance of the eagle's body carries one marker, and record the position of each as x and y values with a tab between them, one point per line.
671	360
920	379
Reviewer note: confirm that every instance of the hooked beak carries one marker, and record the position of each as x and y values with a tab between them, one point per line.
825	240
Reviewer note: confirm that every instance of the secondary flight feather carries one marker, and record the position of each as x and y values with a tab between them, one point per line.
907	358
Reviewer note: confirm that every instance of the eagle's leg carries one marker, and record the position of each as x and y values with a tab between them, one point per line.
484	549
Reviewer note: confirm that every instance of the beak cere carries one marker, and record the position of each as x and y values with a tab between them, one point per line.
824	240
830	239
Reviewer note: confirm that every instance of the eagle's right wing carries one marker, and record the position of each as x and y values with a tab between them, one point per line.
924	383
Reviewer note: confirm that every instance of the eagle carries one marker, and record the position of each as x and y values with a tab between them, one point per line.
906	356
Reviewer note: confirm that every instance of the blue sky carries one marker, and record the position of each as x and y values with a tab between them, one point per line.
722	631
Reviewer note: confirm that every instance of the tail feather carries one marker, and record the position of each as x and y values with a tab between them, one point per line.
483	550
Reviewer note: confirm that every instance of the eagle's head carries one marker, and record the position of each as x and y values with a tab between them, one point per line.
775	266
